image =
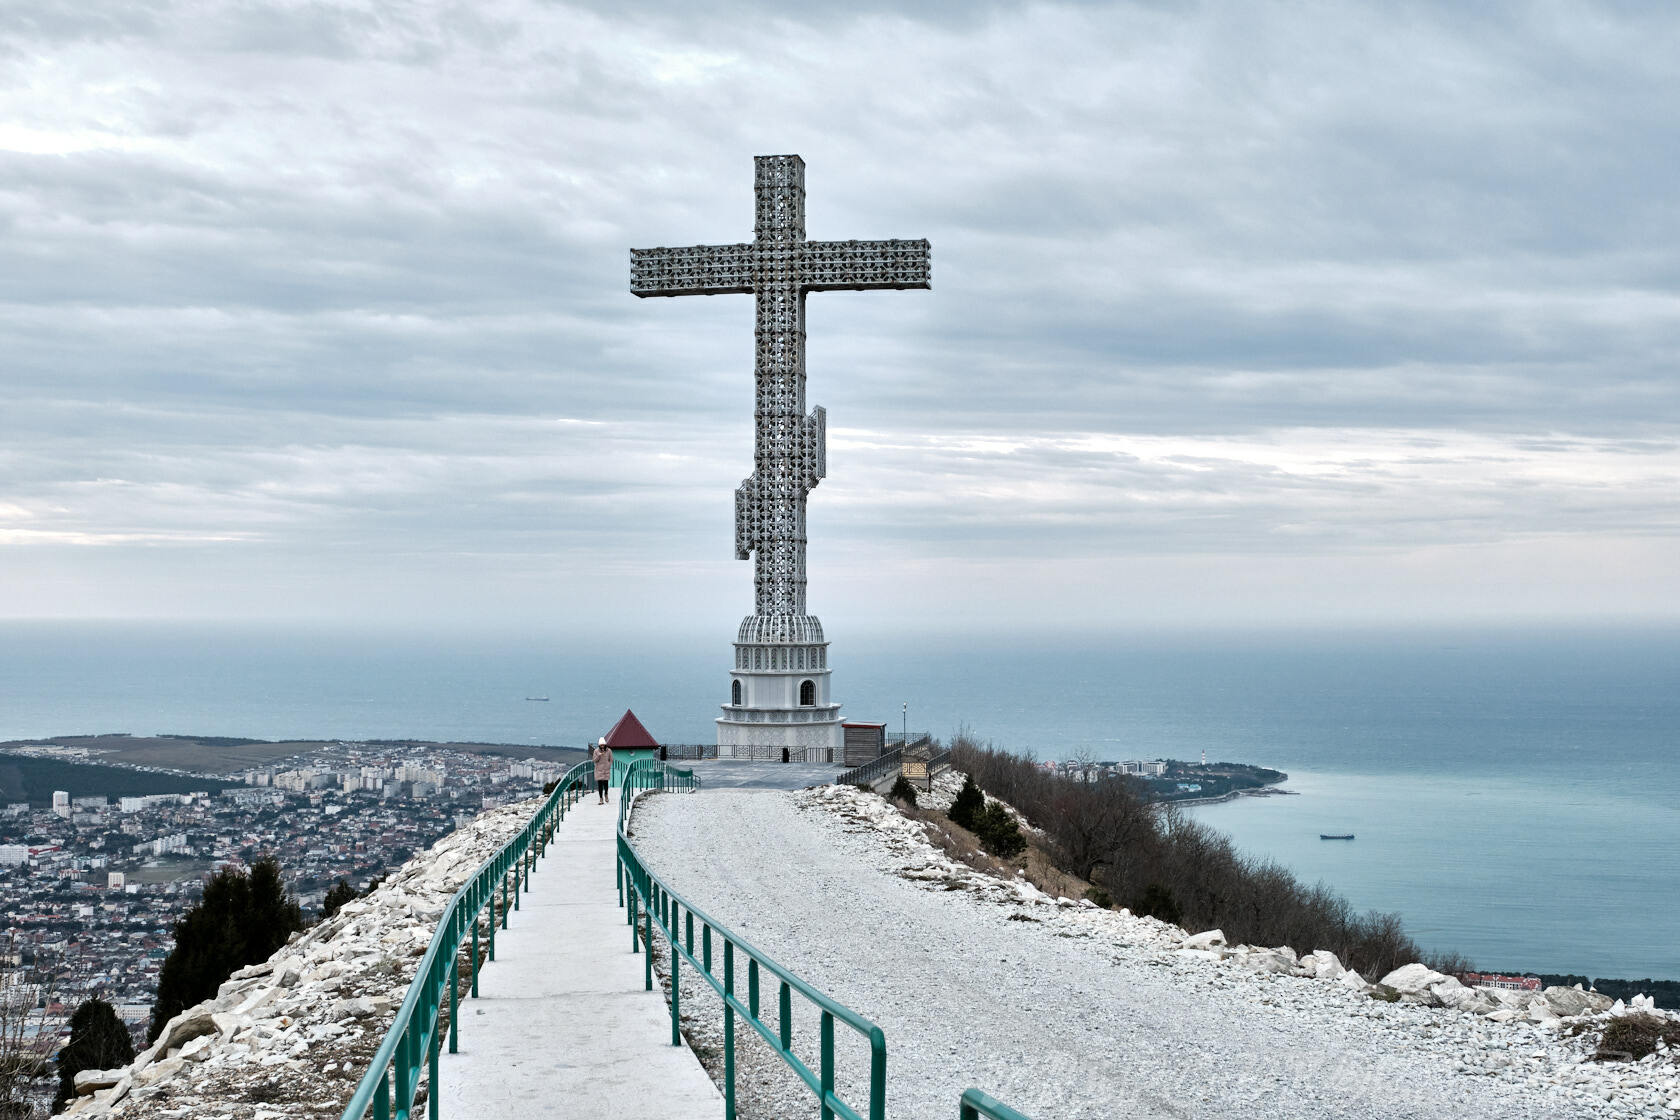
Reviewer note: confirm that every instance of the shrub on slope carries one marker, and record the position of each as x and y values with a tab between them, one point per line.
965	810
903	791
242	918
98	1040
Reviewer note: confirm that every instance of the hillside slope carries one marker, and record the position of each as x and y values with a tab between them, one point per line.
1068	1011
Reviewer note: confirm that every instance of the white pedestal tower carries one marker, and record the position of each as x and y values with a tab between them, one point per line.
779	686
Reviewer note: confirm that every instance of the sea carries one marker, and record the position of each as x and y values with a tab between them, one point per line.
1514	793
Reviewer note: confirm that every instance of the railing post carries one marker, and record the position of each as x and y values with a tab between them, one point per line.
492	923
432	1081
404	1071
827	1064
454	997
752	986
475	956
382	1099
647	962
728	1029
676	994
785	1022
877	1075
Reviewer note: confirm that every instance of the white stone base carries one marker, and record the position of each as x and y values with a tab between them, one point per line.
805	741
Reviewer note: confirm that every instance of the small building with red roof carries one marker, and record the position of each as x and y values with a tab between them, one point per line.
629	740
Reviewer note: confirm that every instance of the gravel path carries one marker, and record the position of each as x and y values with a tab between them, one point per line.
1051	1012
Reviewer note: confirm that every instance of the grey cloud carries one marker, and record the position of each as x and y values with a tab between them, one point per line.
341	276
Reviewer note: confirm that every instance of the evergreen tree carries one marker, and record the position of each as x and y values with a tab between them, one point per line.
242	918
902	790
337	895
966	809
998	832
98	1040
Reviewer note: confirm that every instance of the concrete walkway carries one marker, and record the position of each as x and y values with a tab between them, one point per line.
562	1026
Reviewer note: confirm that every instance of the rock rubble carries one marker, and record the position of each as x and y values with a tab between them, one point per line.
292	1036
1543	1041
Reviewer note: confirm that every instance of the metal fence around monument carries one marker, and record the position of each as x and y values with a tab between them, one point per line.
690	752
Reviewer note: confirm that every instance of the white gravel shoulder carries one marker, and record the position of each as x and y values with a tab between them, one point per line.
1064	1010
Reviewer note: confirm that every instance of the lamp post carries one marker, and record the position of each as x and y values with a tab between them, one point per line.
904	729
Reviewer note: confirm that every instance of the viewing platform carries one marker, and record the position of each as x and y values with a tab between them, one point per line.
563	1026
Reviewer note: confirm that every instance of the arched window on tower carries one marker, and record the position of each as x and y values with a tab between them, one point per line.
807	692
735	693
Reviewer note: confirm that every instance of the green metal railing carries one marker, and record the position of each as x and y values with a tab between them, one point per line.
647	774
652	904
393	1078
976	1104
656	904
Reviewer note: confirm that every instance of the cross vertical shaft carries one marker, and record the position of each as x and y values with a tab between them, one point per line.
788	445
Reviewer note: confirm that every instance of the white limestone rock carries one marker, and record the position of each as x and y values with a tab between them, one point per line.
92	1080
1565	1002
1325	965
1451	993
159	1071
1415	983
1207	939
188	1025
1269	960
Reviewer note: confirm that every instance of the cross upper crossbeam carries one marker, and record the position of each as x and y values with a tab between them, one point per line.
812	266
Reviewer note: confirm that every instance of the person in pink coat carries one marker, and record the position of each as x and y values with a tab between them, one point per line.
602	754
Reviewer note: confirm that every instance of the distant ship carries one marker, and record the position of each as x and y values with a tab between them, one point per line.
540	699
1343	836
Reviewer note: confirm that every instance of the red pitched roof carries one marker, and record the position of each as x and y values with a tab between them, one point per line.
629	732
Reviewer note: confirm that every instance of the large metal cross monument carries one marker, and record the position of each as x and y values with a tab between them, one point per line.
779	691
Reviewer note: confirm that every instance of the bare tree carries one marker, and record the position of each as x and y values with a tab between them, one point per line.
22	1053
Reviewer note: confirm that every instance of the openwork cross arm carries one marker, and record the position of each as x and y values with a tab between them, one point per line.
778	267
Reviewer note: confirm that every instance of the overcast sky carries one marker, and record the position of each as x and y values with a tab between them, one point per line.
1241	313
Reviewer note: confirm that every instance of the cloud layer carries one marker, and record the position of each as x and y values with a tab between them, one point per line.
320	310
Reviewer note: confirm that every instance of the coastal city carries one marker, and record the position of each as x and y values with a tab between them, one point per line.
92	885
